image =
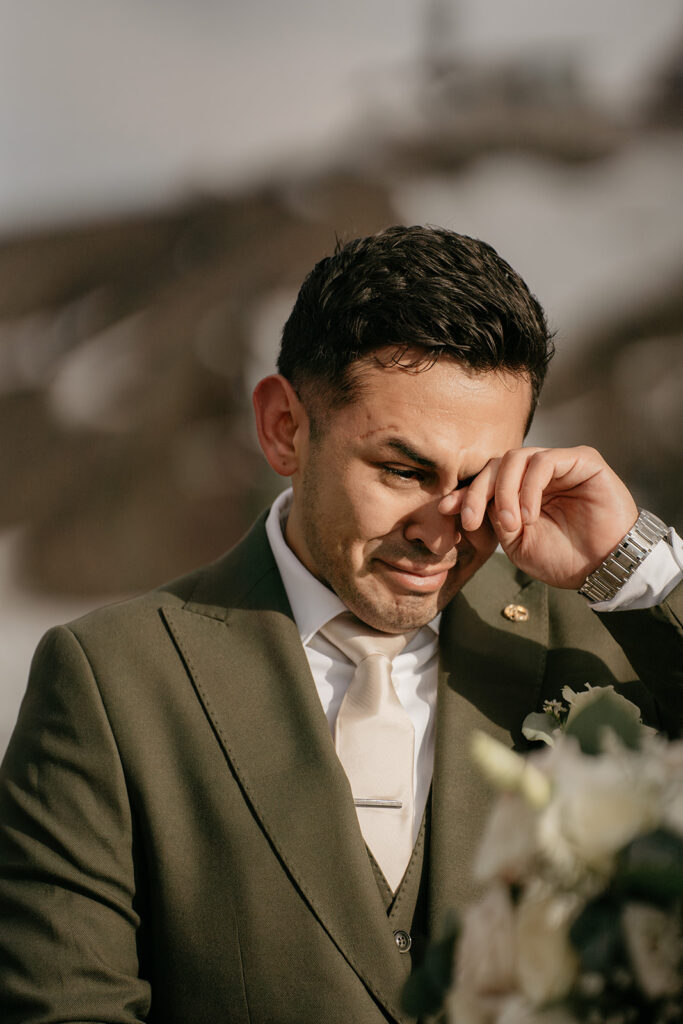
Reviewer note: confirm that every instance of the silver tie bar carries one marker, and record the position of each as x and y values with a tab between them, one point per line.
363	801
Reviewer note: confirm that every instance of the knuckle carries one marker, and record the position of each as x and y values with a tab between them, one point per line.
513	455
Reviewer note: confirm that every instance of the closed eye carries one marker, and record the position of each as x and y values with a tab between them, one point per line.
403	473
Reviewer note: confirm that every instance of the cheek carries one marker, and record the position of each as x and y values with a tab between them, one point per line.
367	512
384	513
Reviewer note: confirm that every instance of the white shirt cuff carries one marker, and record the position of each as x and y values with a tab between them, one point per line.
652	581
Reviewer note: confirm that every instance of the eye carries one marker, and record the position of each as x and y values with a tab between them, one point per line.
403	473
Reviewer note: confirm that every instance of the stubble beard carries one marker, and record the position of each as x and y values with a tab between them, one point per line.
376	606
373	603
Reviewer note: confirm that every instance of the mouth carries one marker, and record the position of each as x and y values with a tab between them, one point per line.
421	579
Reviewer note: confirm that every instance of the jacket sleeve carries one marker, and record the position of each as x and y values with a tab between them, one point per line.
652	640
68	920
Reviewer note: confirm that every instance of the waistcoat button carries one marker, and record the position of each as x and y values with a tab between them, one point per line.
403	940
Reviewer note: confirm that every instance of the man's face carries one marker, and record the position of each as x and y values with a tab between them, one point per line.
365	517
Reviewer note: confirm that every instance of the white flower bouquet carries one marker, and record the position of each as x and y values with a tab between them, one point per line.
581	921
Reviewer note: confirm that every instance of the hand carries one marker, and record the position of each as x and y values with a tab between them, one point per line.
557	512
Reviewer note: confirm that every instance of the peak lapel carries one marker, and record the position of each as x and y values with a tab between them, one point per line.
490	676
251	673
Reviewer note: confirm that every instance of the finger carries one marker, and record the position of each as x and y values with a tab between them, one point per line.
509	509
477	496
451	503
553	470
542	469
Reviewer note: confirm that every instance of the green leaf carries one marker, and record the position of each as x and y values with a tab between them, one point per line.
425	990
650	868
603	713
596	935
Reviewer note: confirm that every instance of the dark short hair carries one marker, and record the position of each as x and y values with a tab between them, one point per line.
423	292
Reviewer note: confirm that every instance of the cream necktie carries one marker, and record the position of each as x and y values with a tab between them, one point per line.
375	739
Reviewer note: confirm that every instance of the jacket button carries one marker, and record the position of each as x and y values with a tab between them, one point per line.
403	940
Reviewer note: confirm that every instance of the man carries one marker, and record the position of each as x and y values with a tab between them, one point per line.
182	840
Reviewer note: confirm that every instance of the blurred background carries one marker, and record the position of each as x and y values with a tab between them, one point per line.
169	172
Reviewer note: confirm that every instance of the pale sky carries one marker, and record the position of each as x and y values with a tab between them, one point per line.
106	105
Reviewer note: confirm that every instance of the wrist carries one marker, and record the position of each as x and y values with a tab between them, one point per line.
610	576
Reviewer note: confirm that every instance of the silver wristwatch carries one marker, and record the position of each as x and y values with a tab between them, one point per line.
604	582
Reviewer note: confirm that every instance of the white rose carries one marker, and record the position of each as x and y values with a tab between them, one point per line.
518	1010
599	804
463	1007
485	958
508	770
671	756
509	844
546	961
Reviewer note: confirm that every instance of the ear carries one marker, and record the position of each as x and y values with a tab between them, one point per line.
281	423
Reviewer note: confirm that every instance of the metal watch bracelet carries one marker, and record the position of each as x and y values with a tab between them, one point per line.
605	581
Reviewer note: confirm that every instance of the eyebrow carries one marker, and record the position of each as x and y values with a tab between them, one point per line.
403	448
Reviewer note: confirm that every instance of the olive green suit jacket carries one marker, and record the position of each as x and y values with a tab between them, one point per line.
178	840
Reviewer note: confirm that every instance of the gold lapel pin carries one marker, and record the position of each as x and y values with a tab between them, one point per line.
516	612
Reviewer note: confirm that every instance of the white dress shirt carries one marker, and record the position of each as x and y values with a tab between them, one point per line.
415	670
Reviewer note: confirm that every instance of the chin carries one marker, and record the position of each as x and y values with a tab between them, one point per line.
391	615
389	611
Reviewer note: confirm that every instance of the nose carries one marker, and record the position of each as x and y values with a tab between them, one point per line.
431	528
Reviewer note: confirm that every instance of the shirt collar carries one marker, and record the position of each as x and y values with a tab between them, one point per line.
312	603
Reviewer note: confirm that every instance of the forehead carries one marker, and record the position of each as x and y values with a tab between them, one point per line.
442	394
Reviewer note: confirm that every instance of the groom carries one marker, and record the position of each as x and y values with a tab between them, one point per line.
247	796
